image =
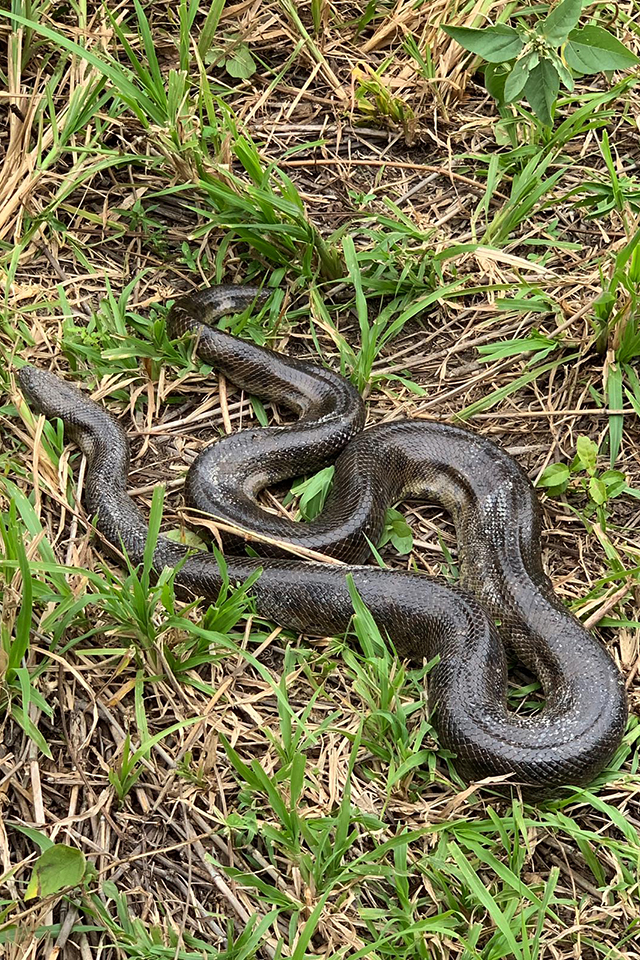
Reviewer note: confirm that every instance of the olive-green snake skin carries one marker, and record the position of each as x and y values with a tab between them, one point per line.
497	521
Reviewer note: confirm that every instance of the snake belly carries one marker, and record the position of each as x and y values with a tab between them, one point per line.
498	527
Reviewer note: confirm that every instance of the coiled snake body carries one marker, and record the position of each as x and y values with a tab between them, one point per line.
497	522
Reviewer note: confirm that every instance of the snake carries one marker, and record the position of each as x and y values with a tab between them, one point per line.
503	605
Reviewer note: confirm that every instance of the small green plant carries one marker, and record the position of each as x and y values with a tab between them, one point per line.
313	493
583	474
193	773
234	55
395	729
536	344
617	328
532	61
18	689
397	531
616	192
422	57
529	191
376	102
126	774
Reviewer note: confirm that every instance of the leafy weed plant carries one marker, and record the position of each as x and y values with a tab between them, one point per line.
600	487
532	62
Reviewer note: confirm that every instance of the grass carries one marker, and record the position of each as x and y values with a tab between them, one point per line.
227	789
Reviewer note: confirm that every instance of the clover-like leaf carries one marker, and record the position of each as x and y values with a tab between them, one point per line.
241	64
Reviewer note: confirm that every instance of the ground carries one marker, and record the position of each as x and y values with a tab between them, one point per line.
217	787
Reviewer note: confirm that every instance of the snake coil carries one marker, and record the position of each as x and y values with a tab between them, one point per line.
497	520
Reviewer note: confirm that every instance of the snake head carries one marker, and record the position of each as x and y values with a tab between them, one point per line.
49	394
84	420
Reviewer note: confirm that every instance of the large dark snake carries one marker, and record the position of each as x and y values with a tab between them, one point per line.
497	520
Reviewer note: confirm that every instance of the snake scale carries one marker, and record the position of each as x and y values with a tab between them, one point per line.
498	526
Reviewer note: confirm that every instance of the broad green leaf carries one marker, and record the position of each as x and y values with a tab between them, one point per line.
188	537
597	490
495	78
593	49
495	44
566	76
58	867
398	531
241	65
555	475
541	90
517	79
587	453
561	21
615	482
